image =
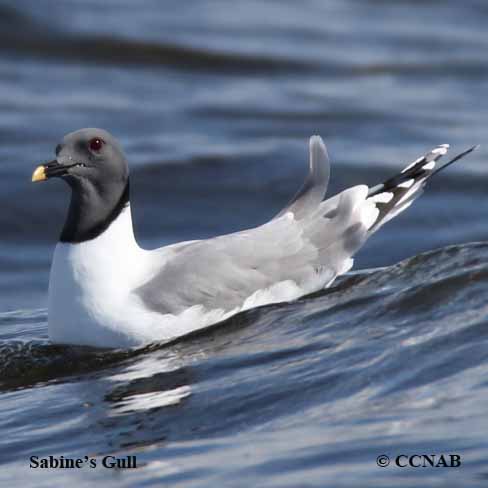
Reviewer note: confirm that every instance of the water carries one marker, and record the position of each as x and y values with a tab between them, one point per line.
214	102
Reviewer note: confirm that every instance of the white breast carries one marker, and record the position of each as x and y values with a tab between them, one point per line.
90	299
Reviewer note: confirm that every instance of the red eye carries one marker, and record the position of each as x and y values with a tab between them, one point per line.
96	144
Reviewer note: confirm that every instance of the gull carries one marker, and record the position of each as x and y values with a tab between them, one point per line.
106	291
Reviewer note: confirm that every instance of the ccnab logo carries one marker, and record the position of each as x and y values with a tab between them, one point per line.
428	461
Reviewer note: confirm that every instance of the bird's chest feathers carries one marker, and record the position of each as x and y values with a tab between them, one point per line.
85	270
95	276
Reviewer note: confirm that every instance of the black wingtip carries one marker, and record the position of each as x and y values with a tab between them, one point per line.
455	158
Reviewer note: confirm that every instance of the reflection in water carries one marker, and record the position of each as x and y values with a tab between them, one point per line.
145	401
155	381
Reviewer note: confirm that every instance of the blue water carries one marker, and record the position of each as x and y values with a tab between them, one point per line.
214	102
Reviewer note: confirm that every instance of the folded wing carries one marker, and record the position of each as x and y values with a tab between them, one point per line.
301	250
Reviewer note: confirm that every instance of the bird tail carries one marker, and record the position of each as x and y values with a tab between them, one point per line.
398	193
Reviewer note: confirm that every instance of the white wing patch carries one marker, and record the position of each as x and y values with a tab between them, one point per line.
384	197
406	184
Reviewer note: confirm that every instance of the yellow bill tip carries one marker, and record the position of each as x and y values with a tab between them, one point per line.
39	174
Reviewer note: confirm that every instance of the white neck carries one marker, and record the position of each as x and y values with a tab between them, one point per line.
116	242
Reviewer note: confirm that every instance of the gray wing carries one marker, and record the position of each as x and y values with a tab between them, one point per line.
299	251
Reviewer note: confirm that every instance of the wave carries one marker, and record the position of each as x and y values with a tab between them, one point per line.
431	287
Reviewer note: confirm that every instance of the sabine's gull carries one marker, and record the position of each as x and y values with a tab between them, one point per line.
106	291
